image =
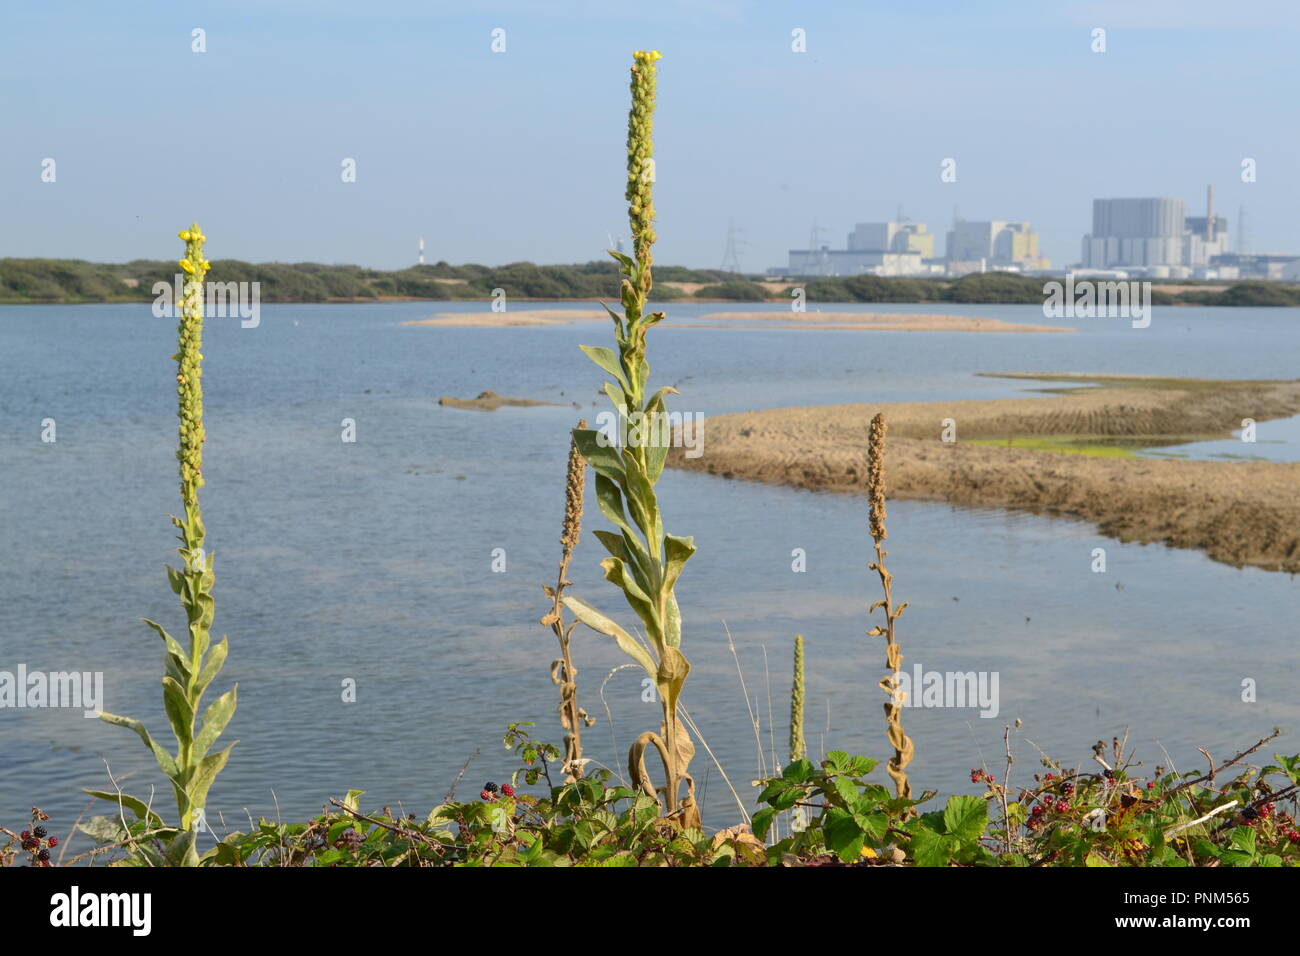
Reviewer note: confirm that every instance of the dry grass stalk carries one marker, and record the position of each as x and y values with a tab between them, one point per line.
902	744
563	674
797	748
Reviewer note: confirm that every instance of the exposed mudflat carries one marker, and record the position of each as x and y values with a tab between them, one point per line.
488	401
1240	513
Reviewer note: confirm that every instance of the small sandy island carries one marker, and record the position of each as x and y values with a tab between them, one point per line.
873	321
489	401
1011	453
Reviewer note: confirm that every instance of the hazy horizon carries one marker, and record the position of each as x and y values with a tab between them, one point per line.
503	157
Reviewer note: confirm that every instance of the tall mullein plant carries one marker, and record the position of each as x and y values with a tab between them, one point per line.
189	669
644	562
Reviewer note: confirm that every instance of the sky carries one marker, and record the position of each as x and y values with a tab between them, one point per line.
497	157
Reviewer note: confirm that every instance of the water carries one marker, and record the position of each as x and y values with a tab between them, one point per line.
372	561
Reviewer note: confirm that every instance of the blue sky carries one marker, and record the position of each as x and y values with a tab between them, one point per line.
498	157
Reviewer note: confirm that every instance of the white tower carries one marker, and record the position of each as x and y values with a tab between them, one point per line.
421	259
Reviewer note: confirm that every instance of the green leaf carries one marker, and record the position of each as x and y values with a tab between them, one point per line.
166	762
212	666
762	822
672	621
608	360
614	544
179	712
677	551
215	719
845	789
774	787
1290	766
861	766
843	835
617	397
930	848
1095	859
174	649
873	825
206	773
965	818
641	498
799	771
180	850
671	675
598	622
617	573
601	455
627	263
137	807
1243	838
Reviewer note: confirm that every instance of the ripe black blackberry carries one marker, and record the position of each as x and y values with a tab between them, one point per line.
40	832
43	856
491	787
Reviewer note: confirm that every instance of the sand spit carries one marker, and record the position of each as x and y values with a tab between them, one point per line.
874	321
489	401
1240	513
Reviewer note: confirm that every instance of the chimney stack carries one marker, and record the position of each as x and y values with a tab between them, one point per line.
1209	213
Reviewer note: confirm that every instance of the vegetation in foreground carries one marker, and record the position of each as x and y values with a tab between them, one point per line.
828	813
808	814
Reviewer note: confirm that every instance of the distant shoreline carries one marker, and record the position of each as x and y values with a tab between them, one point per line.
1048	455
77	282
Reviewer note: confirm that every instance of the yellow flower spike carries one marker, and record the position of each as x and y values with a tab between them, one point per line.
206	265
187	266
184	234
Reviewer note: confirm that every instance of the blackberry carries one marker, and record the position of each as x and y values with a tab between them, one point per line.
491	787
1250	813
508	790
43	856
40	833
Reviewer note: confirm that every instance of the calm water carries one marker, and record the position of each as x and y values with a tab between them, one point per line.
372	560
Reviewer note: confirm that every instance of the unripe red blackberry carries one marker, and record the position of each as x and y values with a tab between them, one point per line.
508	790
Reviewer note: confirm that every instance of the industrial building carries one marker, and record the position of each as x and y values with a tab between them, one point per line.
1155	237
